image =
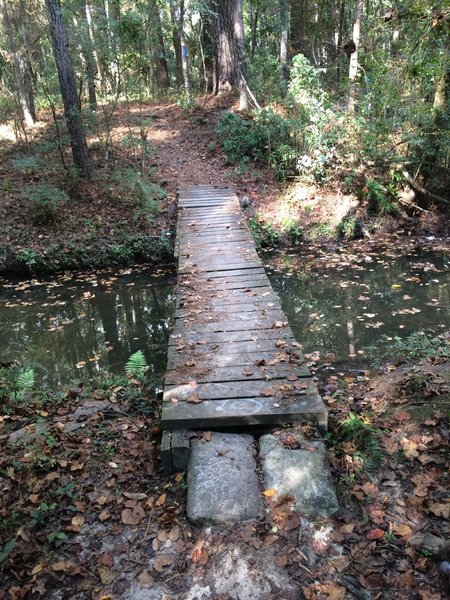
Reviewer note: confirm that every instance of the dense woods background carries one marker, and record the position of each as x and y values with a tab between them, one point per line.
326	88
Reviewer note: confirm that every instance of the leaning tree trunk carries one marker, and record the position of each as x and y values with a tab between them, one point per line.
24	89
67	83
353	66
284	46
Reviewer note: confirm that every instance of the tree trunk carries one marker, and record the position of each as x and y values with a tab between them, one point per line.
353	66
299	15
184	50
67	82
176	42
87	46
229	38
284	46
24	88
159	52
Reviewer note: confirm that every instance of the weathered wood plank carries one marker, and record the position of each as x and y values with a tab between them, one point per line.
202	373
228	321
227	413
285	391
238	347
226	337
177	360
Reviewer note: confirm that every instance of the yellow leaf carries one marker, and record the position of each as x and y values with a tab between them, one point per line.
37	569
161	500
270	493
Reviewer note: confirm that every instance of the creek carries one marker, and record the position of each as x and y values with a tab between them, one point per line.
345	308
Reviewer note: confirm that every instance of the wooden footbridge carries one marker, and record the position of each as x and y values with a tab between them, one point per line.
233	361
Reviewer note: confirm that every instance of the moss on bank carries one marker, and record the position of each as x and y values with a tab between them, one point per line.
79	255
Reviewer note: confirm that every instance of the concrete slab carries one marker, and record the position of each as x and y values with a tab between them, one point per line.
222	483
303	472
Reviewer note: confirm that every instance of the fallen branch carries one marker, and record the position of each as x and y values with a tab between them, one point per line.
420	189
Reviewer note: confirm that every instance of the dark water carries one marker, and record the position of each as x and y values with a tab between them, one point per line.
339	306
73	327
344	308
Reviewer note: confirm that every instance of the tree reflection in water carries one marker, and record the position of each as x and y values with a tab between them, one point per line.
73	327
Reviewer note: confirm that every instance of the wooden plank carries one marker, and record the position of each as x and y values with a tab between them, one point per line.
248	322
225	359
227	413
243	373
235	273
252	389
226	337
232	319
237	347
231	313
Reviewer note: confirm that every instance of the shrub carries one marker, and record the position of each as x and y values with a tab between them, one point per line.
266	139
45	202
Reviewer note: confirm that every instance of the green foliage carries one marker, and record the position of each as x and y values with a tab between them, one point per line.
420	345
45	202
262	71
29	257
136	365
265	139
348	228
263	232
379	200
147	194
7	549
28	164
365	440
15	382
292	229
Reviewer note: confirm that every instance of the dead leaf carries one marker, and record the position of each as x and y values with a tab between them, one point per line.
402	530
145	579
440	509
375	534
77	521
161	562
107	576
161	500
135	496
270	493
133	516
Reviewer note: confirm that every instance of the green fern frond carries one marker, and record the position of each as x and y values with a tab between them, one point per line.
136	365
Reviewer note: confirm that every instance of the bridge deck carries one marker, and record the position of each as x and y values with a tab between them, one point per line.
232	360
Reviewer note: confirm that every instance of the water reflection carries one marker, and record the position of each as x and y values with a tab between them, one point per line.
75	326
340	308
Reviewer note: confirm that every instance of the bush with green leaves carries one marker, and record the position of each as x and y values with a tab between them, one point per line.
15	382
380	199
45	202
264	139
148	194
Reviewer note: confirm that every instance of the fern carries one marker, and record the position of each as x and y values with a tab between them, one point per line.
365	437
136	365
24	382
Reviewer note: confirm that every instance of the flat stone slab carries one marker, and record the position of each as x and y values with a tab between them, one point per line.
222	482
303	473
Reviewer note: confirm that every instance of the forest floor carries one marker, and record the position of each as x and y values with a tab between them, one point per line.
85	511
